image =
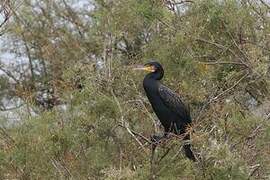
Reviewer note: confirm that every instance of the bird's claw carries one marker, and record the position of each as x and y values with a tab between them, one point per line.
156	138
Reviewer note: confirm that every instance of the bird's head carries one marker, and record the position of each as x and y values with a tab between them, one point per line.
154	68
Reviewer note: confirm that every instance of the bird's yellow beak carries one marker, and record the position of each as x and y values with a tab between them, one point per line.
145	68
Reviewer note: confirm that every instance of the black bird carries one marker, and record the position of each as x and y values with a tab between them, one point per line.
169	108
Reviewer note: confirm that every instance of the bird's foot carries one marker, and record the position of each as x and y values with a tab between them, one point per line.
156	138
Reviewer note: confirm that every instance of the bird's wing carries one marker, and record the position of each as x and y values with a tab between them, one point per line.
173	102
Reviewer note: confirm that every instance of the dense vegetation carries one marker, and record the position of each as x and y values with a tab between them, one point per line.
72	108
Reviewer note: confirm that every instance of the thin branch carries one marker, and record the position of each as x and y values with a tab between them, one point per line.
166	153
146	110
6	12
264	3
12	108
137	134
9	74
167	25
268	116
184	1
222	47
30	60
170	163
125	124
119	107
61	168
215	98
231	88
255	169
8	138
222	62
256	44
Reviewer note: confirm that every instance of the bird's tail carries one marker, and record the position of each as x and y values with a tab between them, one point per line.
187	150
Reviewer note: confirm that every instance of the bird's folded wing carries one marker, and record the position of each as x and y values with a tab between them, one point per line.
173	102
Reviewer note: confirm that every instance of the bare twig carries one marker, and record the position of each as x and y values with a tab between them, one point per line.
61	167
119	107
144	107
8	73
265	4
173	29
222	62
229	89
30	59
8	138
213	43
258	129
133	135
171	162
255	169
267	116
125	124
137	134
256	44
6	11
146	111
165	154
215	98
11	108
222	47
183	1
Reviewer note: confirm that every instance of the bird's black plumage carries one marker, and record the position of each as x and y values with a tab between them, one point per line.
169	108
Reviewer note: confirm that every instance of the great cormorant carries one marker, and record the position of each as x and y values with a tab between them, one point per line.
169	108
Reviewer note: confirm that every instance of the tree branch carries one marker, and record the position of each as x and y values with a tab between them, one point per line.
8	73
6	11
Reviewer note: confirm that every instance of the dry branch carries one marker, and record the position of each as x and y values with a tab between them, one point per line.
216	97
5	10
124	123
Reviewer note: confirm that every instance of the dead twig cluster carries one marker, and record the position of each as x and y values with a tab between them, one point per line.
5	12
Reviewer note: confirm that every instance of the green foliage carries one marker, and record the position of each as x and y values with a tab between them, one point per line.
215	54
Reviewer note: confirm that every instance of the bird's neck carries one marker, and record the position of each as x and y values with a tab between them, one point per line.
154	76
150	84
